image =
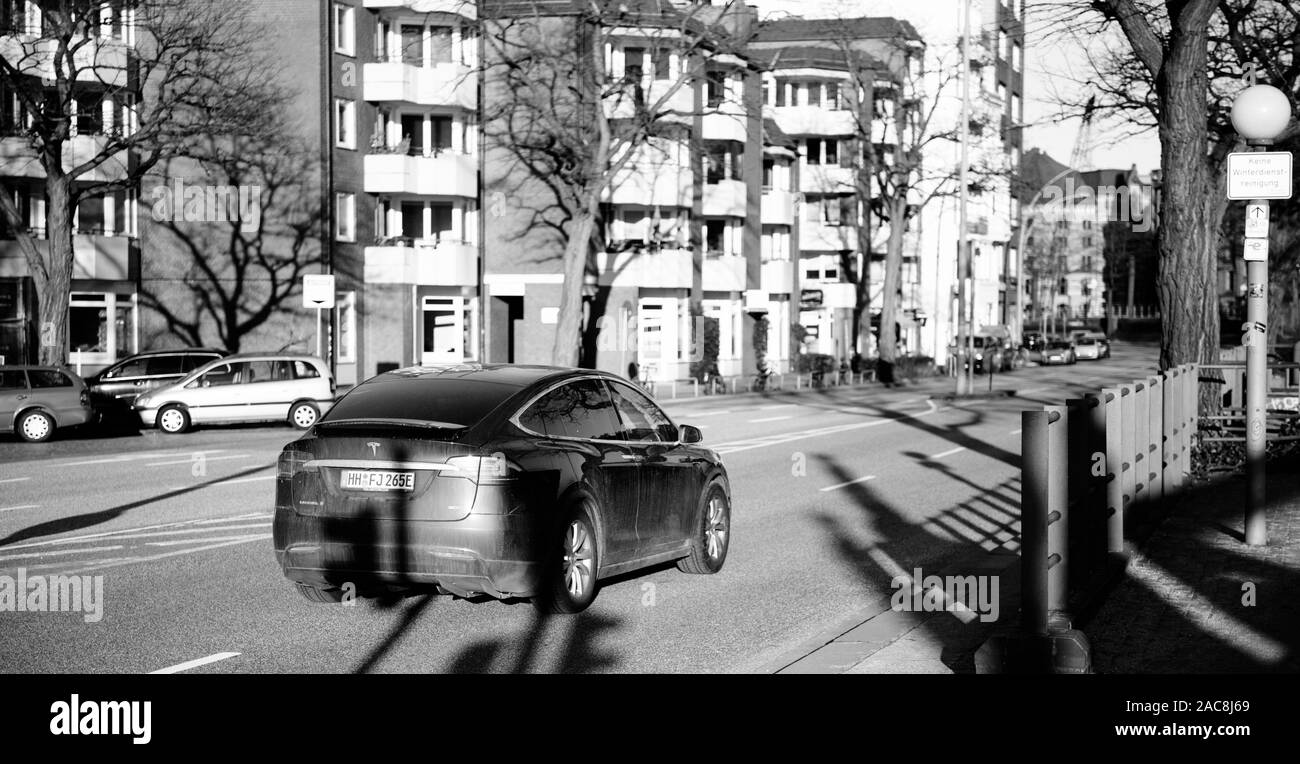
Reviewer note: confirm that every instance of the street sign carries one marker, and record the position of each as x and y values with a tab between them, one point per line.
318	291
1257	221
1256	249
1259	175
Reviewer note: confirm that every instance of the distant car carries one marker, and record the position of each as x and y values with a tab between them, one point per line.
1087	348
37	400
1059	352
114	389
248	387
510	481
992	353
1103	343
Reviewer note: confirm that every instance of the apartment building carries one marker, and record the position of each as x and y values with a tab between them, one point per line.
104	309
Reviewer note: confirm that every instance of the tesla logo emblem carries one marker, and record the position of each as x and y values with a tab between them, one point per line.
374	448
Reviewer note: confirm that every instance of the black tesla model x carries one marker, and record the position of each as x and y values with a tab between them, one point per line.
497	479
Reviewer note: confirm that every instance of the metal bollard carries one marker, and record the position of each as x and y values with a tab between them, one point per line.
1110	403
1058	537
1154	442
695	387
1126	432
1191	415
1036	466
1141	420
674	388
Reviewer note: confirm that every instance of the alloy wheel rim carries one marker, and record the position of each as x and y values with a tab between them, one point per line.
715	529
578	558
36	427
171	420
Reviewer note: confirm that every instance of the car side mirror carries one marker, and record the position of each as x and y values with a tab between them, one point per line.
691	434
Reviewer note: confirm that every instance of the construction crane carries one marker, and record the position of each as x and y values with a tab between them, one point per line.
1081	157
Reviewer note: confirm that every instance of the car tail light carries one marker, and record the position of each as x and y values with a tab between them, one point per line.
484	470
291	462
85	397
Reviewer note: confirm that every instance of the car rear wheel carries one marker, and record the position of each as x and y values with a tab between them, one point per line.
317	594
712	534
569	580
173	420
303	415
35	427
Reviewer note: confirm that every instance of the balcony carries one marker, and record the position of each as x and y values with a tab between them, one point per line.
834	294
442	263
664	269
726	126
679	107
438	85
815	120
107	258
777	207
725	273
726	198
778	277
652	183
446	174
826	179
814	237
18	159
464	8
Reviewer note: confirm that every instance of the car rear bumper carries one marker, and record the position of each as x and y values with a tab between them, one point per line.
498	555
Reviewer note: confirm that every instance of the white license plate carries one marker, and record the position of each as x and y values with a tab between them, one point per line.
378	480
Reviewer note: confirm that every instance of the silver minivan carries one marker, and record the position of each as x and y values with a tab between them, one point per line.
248	387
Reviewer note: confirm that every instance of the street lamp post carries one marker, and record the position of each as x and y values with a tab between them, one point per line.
1259	114
966	366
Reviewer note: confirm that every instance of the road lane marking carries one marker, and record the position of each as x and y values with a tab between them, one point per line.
847	483
771	419
246	480
180	542
698	414
735	446
165	555
131	457
106	534
59	551
949	452
187	665
190	459
777	406
211	529
1016	431
20	506
14	480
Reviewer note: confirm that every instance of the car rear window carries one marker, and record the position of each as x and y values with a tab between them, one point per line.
48	378
457	400
581	409
163	364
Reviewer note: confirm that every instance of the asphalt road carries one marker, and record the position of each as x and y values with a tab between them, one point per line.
834	492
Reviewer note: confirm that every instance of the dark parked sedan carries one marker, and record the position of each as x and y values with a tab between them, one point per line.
511	481
114	389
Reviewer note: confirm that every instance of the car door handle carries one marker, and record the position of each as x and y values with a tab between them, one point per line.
630	457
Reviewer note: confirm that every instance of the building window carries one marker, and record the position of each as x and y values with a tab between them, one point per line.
345	123
345	217
345	30
440	45
1016	52
814	90
715	237
716	87
1003	52
769	173
346	321
413	44
663	64
781	92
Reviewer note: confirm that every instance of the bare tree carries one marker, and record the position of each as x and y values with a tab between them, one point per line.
247	228
1177	70
568	126
168	70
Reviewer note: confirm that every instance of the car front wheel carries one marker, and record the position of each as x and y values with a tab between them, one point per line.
712	534
173	420
35	427
569	582
303	415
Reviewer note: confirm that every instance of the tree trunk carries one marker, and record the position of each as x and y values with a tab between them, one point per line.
568	329
893	276
55	292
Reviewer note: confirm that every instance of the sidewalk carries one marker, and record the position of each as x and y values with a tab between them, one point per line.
1193	599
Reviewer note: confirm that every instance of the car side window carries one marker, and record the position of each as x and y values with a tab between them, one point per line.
135	368
48	378
162	364
581	409
642	420
249	372
13	379
218	375
304	370
191	362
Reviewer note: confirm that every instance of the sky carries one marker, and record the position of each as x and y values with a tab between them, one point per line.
1052	67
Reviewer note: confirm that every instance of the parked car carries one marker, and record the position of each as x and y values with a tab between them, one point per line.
1103	342
510	481
37	400
248	387
992	353
1059	351
114	389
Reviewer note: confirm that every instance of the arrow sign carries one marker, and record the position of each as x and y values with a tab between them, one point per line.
318	291
1257	221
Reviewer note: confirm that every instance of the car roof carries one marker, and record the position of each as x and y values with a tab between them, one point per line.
270	356
175	351
34	367
510	374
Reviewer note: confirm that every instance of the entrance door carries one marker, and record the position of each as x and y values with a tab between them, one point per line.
444	330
